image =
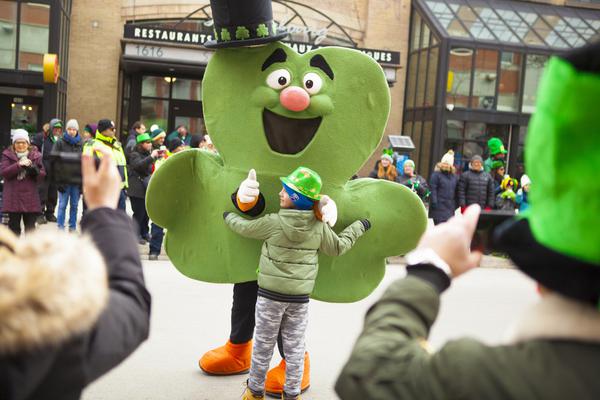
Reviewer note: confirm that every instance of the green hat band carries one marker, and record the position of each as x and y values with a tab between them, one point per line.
144	137
245	32
304	181
565	130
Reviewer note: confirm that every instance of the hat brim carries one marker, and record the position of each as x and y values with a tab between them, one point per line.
213	44
289	184
556	271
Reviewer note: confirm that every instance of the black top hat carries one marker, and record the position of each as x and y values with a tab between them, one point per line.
240	23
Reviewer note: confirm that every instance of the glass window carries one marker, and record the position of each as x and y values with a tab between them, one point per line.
459	77
33	37
493	21
187	89
475	131
454	129
581	27
24	116
156	86
425	36
155	112
521	28
446	18
425	156
416	138
474	24
8	34
416	32
432	76
407	129
412	80
534	67
422	78
510	81
484	82
543	29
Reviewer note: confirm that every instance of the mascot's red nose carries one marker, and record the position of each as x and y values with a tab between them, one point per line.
294	98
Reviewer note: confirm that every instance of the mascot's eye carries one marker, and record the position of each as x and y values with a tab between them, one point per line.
312	83
279	79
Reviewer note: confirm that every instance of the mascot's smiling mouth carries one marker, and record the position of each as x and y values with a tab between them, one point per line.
289	135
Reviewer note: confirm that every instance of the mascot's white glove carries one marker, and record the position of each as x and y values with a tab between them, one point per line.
328	210
248	191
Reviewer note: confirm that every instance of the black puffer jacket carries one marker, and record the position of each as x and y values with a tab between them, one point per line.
475	187
140	169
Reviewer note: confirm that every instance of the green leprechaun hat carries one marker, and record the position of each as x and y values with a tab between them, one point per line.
240	23
495	146
144	137
304	181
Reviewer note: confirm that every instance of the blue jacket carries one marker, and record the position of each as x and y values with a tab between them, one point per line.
522	200
443	195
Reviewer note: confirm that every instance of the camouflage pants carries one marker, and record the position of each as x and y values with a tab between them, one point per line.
293	318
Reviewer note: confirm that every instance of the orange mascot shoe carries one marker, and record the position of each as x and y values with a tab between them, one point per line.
276	378
231	359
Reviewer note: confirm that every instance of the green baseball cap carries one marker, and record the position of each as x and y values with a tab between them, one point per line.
496	146
144	137
304	181
565	130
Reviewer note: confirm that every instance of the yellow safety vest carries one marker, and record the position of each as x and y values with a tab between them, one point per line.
116	148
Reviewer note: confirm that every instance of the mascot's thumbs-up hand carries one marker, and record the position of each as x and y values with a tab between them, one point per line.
248	191
328	210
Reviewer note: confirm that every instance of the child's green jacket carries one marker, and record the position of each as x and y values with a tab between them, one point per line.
289	259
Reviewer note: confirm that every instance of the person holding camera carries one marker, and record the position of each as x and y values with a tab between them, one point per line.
70	142
72	307
22	169
553	352
141	165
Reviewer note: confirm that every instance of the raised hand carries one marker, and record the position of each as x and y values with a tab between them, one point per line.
249	188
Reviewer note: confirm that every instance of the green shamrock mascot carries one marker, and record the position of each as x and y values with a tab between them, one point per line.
268	111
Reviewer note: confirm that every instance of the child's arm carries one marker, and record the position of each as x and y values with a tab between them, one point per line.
336	245
260	228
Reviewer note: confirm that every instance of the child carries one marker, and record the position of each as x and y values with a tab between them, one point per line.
507	199
523	193
286	275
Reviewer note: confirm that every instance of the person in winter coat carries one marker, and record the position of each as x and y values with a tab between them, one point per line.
141	165
137	129
287	271
87	135
48	191
522	198
443	190
553	351
105	138
496	152
22	168
385	169
70	142
475	186
498	174
507	199
180	133
414	182
73	307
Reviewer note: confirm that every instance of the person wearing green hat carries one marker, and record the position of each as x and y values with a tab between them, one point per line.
553	351
496	151
287	271
141	164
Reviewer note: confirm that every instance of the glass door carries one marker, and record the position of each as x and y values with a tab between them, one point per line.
19	113
189	114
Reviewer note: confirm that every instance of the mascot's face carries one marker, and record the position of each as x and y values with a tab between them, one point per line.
272	109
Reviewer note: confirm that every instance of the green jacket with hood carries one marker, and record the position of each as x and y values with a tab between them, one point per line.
289	260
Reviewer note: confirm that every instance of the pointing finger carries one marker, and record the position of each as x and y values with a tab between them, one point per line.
252	174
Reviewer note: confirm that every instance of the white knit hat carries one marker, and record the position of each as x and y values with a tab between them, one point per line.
448	158
525	181
73	124
20	134
154	127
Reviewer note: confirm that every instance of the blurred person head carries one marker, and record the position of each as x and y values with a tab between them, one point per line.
525	182
138	127
46	128
207	144
56	126
386	160
89	131
72	127
196	141
176	145
144	142
106	128
182	130
409	168
158	135
20	141
476	163
447	162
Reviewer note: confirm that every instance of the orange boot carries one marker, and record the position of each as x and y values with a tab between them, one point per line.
231	359
276	378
